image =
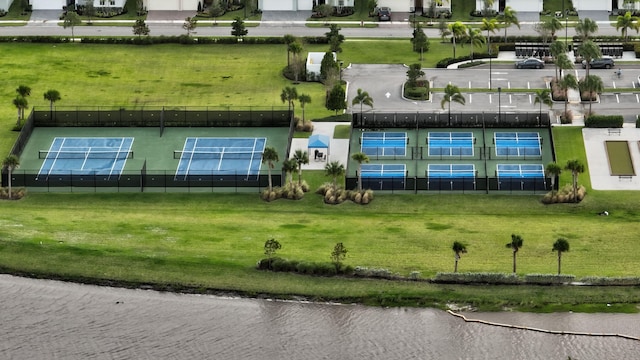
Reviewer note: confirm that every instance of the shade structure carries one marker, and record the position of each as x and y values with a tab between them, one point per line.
317	143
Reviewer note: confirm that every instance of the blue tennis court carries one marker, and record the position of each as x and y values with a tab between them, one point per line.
518	144
220	157
521	177
520	171
383	176
384	143
451	171
105	156
450	143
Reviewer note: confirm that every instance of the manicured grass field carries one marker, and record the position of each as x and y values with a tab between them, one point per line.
214	240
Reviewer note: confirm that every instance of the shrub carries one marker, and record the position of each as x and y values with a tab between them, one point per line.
414	275
564	195
548	279
379	273
476	278
604	121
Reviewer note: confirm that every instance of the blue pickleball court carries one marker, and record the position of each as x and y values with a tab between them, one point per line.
104	156
220	157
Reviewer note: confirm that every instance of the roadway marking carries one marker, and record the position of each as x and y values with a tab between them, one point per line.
509	84
490	102
469	84
618	98
510	99
614	84
470	98
529	98
637	99
499	73
528	85
388	94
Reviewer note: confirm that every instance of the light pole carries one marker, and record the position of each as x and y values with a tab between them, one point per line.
499	93
489	62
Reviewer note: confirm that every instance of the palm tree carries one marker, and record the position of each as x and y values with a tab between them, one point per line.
589	51
556	48
576	167
21	103
561	245
563	63
569	81
295	48
52	96
11	162
288	40
360	158
304	99
23	90
458	31
451	93
289	94
334	169
362	98
302	158
490	26
509	17
459	249
552	171
585	28
626	22
476	39
515	245
592	84
269	157
552	25
543	96
289	166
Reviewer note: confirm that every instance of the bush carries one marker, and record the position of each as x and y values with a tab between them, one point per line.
419	92
443	63
548	279
564	195
604	121
378	273
477	278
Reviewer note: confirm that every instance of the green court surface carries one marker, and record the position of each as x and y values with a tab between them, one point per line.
483	157
619	156
147	145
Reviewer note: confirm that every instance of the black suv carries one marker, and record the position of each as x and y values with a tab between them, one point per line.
603	63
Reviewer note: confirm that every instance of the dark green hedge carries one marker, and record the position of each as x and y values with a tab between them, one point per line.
149	40
449	60
604	121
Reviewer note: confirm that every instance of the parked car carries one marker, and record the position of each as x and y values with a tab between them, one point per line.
384	14
530	63
602	63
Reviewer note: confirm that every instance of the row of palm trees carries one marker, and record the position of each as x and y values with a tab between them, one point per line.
21	103
561	245
552	170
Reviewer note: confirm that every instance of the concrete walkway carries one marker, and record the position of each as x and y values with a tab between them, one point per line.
599	172
338	151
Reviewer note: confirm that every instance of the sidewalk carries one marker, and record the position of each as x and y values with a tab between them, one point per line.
338	148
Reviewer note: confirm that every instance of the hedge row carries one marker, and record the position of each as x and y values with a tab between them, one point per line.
502	279
303	267
604	121
149	40
449	60
607	281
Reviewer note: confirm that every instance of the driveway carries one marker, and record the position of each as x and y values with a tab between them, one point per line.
160	15
278	18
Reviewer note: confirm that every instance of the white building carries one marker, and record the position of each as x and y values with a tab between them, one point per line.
517	5
172	5
60	4
5	4
413	5
295	5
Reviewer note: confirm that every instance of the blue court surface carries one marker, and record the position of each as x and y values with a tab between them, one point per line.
86	156
451	171
220	157
450	143
520	171
518	144
384	143
384	170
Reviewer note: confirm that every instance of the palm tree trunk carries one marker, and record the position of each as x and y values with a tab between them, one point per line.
454	46
514	262
269	173
575	187
359	176
455	268
9	181
559	261
299	173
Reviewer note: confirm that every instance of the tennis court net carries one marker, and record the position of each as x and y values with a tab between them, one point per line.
118	155
216	155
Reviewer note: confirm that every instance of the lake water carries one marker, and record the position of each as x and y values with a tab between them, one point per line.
42	319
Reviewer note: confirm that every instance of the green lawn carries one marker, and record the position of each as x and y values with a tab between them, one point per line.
214	240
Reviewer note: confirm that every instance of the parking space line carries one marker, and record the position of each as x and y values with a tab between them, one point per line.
528	85
637	98
469	84
529	98
509	84
490	102
509	98
618	98
470	98
614	84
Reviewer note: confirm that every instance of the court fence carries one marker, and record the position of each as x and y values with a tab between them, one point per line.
423	120
456	153
143	181
162	117
457	184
